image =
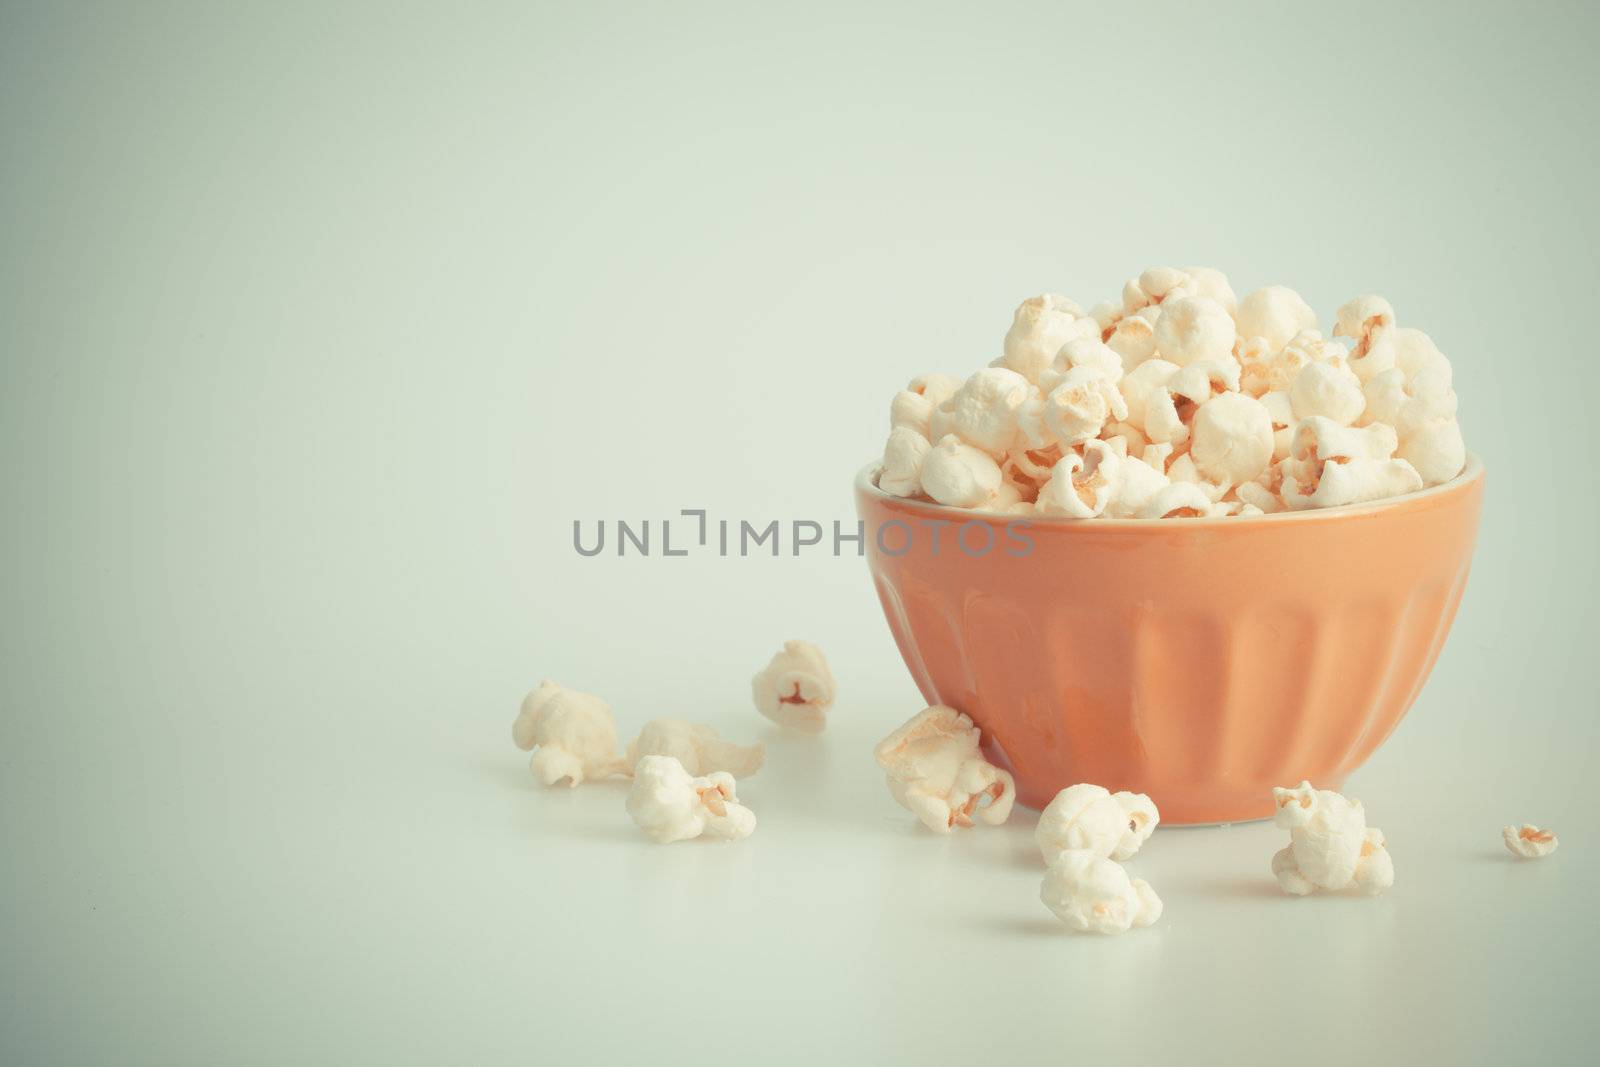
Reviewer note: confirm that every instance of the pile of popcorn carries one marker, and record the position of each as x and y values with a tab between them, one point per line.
685	786
1181	401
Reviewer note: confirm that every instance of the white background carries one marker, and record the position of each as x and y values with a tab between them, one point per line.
319	328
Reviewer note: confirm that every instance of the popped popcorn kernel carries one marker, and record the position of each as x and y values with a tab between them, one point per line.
1093	894
911	411
1177	500
1529	842
935	388
796	689
698	748
1133	339
1076	409
1331	847
1366	320
936	770
1233	438
1213	285
1436	449
1091	817
1327	388
958	474
1275	314
1040	326
983	412
574	733
1194	328
1090	355
903	456
670	804
1082	484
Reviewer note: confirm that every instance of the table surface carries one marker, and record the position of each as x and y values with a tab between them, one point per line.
413	895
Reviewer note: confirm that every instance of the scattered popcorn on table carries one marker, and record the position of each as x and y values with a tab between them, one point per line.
796	689
670	804
1223	385
575	734
1093	818
1093	894
1530	842
699	748
1331	847
936	771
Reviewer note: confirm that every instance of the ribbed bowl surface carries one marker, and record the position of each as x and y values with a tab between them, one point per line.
1200	661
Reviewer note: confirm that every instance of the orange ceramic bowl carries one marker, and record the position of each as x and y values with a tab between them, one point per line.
1201	661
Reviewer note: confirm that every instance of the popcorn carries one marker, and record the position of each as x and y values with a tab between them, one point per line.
1409	403
903	456
1029	470
1145	384
1330	845
1134	339
1182	469
1328	388
796	689
983	412
1137	482
1040	326
1194	328
1213	285
1529	841
958	474
1361	318
1331	465
1281	410
1093	894
1090	354
1177	500
1368	321
1153	286
913	406
1132	438
1333	483
670	804
1177	392
935	388
1436	450
1005	498
1331	440
1259	497
1082	486
1091	817
1233	438
1203	379
1415	352
1274	314
1076	409
1106	315
699	749
575	734
937	772
1266	371
911	411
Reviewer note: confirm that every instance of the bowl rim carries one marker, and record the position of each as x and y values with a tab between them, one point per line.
1471	471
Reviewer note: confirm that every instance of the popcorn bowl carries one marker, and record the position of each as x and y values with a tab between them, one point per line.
1201	661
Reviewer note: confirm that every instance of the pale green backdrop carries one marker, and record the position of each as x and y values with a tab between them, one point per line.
320	323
